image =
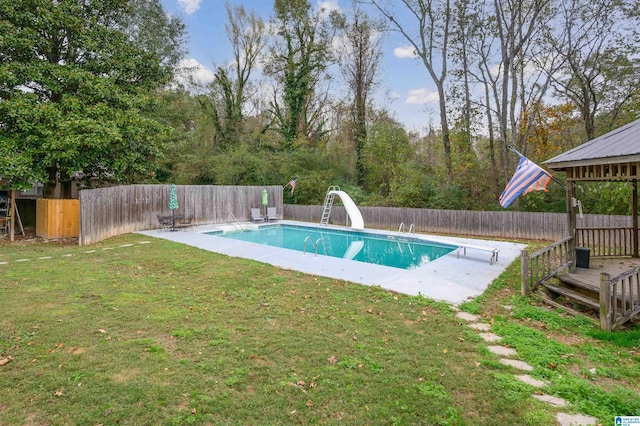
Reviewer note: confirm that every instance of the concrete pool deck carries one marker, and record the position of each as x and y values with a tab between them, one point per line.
450	278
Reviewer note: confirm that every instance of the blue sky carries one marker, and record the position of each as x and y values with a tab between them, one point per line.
405	89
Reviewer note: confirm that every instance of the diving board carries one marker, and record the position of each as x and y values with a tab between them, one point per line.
494	252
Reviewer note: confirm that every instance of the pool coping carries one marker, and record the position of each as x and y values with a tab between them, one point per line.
452	278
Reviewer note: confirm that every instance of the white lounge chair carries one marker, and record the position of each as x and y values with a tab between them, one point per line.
271	214
255	215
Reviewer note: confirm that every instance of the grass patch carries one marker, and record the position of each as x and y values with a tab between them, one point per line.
163	333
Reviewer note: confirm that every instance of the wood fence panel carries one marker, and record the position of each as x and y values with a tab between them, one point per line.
107	212
496	224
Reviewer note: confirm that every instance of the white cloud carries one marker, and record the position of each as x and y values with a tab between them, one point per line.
405	52
421	96
193	72
327	6
189	6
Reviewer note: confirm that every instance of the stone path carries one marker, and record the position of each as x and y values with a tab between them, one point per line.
507	356
70	255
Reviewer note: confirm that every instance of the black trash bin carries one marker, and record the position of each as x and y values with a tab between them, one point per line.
582	257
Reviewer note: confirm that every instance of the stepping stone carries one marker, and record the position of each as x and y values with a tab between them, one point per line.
466	316
565	419
490	337
520	365
531	381
480	326
502	350
553	400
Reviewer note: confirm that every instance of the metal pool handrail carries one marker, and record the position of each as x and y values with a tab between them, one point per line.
235	222
412	228
315	246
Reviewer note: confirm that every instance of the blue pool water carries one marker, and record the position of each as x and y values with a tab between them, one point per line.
395	251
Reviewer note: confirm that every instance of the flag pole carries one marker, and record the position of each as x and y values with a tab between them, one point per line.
553	178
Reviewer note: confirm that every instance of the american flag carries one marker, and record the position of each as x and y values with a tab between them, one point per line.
292	182
527	177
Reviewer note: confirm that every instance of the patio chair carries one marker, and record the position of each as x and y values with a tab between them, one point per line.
271	214
255	215
165	222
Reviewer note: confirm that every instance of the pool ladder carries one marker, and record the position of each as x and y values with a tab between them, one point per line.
412	228
235	222
315	246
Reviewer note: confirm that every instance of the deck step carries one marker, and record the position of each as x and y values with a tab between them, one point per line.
574	296
577	281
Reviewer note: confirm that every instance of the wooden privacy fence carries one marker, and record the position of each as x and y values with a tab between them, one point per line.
498	224
493	224
106	212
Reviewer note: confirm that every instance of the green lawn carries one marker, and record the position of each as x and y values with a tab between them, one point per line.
160	333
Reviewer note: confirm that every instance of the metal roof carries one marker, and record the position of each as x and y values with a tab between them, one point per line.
619	145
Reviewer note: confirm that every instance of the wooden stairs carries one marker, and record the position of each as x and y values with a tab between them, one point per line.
565	289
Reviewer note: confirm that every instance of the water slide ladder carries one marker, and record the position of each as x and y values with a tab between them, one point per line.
328	204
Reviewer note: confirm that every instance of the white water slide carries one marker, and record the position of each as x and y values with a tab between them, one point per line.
352	210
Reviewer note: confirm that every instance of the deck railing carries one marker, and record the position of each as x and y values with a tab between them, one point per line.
606	242
545	262
619	298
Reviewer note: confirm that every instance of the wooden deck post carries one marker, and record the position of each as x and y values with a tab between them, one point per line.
571	223
605	302
12	212
634	215
524	270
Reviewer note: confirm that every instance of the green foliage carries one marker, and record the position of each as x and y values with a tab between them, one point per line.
532	344
553	319
625	338
592	400
75	95
386	140
298	61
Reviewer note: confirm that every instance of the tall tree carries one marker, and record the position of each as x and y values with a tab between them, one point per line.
516	23
599	46
151	29
512	66
359	60
389	141
300	57
428	31
464	29
74	95
232	85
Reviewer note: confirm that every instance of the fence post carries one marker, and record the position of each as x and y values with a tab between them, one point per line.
605	301
524	269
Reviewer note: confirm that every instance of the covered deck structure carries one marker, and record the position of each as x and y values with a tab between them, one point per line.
556	271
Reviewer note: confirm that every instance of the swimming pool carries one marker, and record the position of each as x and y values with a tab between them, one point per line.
393	251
